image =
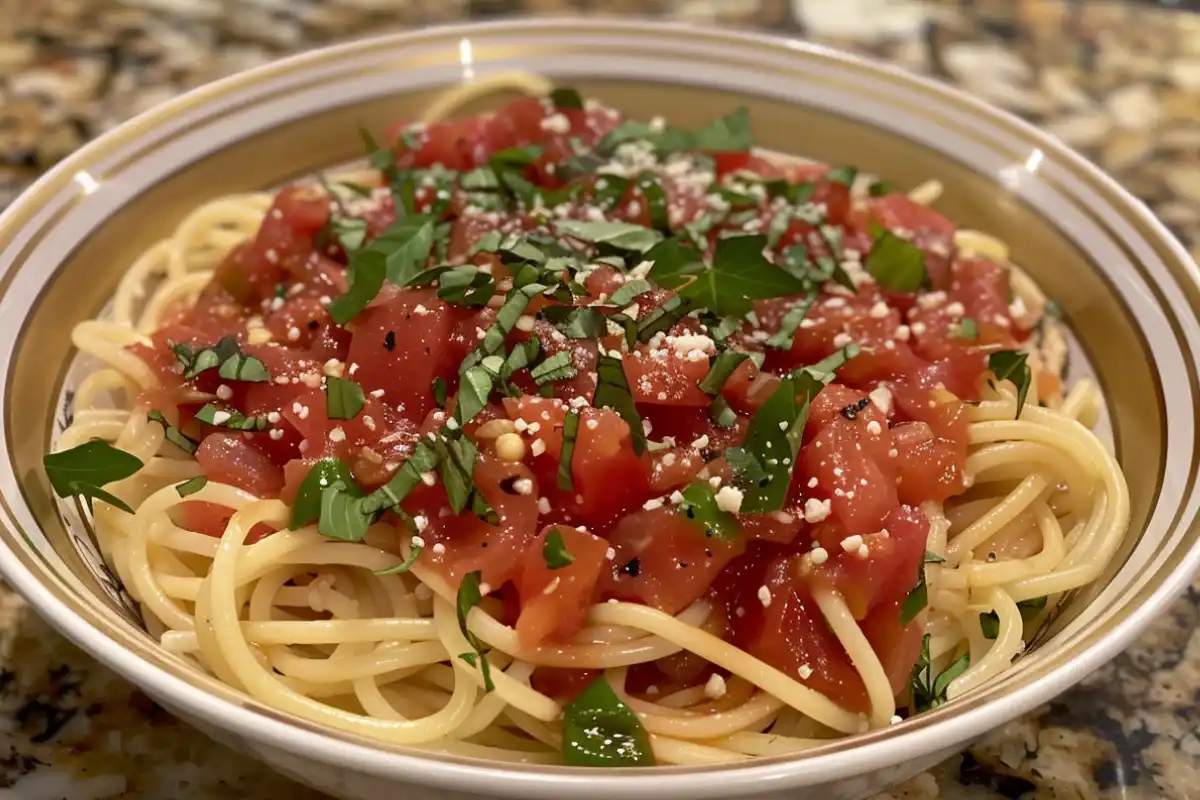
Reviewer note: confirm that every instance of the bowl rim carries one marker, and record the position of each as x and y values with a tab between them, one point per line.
944	737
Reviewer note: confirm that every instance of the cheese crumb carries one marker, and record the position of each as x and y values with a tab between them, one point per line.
764	596
729	499
881	397
816	510
715	688
819	555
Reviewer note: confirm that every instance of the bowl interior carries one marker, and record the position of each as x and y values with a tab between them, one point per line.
1129	296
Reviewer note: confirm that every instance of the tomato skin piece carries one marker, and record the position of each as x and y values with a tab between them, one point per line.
212	520
676	560
554	602
229	458
663	376
561	683
898	647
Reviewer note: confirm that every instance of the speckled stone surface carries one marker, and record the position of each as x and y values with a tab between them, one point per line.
1118	81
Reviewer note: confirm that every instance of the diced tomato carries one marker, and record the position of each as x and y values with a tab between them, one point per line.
229	458
666	376
664	559
554	601
562	684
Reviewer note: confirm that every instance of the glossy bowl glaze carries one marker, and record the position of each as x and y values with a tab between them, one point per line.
1129	292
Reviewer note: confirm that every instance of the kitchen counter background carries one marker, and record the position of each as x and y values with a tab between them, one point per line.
1119	81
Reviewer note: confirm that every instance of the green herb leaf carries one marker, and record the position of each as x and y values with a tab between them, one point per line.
656	200
366	273
85	468
191	486
674	263
424	459
895	263
506	319
844	175
234	420
438	387
241	367
343	398
405	565
720	367
601	731
927	691
325	474
466	285
570	433
566	97
790	323
721	414
521	357
739	274
629	291
663	317
195	362
469	596
554	551
585	322
989	621
933	558
765	460
619	235
380	158
612	391
342	514
916	600
557	367
1011	365
173	434
879	189
700	505
730	133
350	232
473	391
515	157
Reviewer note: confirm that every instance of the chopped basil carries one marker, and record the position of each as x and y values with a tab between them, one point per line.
356	188
926	690
570	433
84	469
173	434
482	178
506	319
469	596
342	514
380	158
739	274
933	558
629	291
557	367
700	504
195	362
608	190
521	357
234	420
474	388
656	200
424	459
515	157
466	285
989	622
612	391
844	175
721	413
585	322
790	323
191	486
618	235
730	133
1053	309
879	188
765	460
343	398
439	390
918	596
414	553
663	318
554	551
895	263
601	731
366	273
967	329
326	473
674	263
720	367
1011	365
241	367
350	232
566	97
397	255
456	468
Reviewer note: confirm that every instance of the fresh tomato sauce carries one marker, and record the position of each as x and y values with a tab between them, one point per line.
885	436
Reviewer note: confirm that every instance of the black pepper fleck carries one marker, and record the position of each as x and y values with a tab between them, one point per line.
389	341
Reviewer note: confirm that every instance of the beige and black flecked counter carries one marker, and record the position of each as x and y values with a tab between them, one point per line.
1119	81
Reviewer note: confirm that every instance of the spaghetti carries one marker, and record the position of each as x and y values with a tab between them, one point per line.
817	617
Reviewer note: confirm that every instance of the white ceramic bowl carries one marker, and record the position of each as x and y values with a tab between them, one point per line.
1129	291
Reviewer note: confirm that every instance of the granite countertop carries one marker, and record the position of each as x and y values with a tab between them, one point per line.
1118	81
